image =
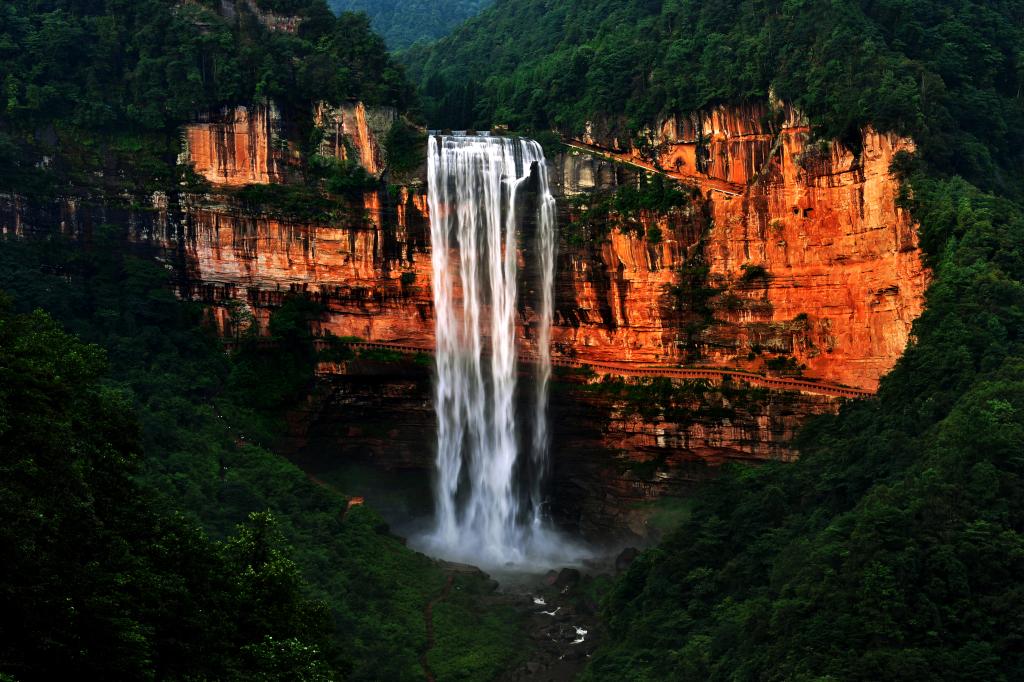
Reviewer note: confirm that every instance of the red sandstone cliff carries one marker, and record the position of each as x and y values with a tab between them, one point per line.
236	147
842	282
355	131
837	280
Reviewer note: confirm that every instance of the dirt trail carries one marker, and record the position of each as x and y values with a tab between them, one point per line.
428	618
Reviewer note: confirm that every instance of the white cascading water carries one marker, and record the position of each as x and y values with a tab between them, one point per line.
488	501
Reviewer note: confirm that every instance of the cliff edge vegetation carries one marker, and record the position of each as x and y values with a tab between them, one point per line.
94	92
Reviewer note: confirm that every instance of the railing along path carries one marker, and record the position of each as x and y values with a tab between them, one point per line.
623	369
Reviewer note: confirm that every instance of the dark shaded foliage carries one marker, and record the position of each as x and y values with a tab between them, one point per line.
98	579
404	22
103	85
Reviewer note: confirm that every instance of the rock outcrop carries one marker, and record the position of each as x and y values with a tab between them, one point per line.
355	132
372	275
799	249
812	256
617	447
811	261
239	146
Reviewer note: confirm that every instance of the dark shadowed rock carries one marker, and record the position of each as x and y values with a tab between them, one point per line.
625	558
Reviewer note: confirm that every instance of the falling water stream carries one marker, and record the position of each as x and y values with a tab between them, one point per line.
488	495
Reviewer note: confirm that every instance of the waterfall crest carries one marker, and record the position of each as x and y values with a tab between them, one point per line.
488	498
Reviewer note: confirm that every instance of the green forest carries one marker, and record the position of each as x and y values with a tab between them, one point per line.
149	527
149	530
947	74
101	87
404	22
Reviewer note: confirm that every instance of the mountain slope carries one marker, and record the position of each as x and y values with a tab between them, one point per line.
893	548
404	22
113	477
93	87
944	74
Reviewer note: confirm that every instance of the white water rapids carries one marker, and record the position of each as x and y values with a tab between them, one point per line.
488	496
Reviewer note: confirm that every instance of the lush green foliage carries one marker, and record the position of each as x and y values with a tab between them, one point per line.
596	213
205	423
892	549
99	64
98	580
404	22
407	148
945	73
102	85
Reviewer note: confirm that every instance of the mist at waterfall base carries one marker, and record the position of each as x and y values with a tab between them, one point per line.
484	193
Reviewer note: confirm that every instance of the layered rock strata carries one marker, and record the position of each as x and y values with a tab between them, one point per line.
238	146
813	256
617	447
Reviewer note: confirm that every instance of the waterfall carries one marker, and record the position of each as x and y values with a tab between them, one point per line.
488	499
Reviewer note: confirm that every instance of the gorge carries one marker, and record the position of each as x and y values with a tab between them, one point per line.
704	362
707	279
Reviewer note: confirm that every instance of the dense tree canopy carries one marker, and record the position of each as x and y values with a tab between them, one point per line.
404	22
892	549
947	73
97	87
97	580
179	426
151	64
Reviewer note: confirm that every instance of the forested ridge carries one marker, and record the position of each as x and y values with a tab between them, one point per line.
109	566
404	22
945	73
150	529
101	87
891	550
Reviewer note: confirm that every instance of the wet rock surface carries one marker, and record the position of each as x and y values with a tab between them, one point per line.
561	622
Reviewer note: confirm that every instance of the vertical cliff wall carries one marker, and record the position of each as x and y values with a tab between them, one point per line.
787	249
354	132
239	146
812	259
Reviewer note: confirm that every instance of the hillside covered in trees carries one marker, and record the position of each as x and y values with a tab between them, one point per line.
892	549
946	74
150	529
404	22
101	87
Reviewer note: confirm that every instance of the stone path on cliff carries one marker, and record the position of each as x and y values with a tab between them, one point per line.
732	189
631	370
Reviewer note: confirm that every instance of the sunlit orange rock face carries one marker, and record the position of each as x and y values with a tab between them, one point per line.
611	302
354	128
805	239
237	147
372	274
371	266
247	145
